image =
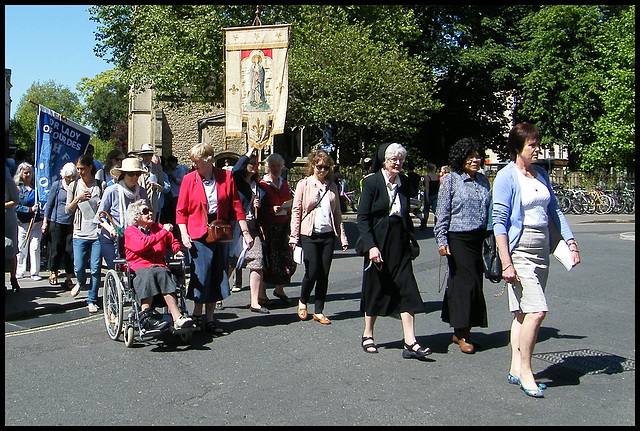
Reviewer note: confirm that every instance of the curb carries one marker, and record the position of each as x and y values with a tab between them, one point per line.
41	310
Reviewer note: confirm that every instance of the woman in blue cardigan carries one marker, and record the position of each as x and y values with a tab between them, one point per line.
525	211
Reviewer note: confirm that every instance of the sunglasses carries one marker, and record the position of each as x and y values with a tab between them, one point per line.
145	211
322	167
132	174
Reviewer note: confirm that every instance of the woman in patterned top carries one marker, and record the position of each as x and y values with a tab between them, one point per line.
461	225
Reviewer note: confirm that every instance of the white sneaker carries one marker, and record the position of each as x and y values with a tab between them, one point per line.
36	278
75	290
182	322
93	308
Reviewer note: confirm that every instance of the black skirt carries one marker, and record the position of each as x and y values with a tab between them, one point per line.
463	305
393	289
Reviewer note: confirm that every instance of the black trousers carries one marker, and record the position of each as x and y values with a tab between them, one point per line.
318	254
60	247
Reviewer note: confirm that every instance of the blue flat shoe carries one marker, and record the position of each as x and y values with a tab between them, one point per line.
516	381
535	393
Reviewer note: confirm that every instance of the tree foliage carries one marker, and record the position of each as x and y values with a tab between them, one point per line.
106	105
568	68
54	96
565	90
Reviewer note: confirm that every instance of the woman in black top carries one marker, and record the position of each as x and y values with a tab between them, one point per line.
386	228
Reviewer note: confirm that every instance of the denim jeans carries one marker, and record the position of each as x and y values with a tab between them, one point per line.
88	251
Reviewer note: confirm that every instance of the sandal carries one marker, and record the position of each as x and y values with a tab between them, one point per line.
418	353
53	278
215	330
367	347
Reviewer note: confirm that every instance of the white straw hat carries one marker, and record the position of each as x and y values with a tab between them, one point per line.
147	149
130	164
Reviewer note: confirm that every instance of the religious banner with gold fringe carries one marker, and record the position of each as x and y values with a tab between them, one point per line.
256	81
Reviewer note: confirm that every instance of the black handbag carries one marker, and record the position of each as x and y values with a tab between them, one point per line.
491	258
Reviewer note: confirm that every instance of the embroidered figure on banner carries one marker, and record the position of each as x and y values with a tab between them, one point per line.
256	76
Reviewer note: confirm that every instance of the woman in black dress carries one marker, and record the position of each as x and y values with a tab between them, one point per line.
461	226
386	228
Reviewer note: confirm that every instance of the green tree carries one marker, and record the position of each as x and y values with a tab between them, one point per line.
615	130
565	90
49	94
106	106
362	78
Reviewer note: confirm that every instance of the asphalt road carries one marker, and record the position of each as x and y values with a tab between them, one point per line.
275	370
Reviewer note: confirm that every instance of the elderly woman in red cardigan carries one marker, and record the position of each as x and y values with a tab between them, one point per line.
145	245
208	193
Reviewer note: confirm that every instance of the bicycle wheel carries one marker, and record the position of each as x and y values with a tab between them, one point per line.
113	302
576	206
604	204
565	203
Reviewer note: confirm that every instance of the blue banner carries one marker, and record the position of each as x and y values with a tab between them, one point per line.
58	141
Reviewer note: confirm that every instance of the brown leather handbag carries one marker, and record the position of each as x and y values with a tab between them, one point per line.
220	231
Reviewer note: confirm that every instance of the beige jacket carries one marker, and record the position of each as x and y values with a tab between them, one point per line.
305	200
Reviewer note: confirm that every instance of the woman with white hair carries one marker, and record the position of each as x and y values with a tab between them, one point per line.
386	229
276	208
145	244
60	226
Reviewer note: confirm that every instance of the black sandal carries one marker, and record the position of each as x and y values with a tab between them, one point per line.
215	330
368	346
419	353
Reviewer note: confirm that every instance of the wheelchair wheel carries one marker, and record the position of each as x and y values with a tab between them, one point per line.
113	302
129	337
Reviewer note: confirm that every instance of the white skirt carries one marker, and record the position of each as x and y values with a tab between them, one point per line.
531	261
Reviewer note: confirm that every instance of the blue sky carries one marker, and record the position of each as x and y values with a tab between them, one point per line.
49	43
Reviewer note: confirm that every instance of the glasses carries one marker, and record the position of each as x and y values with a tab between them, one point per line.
145	211
322	167
477	157
132	174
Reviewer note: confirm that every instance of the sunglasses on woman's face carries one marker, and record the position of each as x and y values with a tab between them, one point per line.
322	167
145	211
132	174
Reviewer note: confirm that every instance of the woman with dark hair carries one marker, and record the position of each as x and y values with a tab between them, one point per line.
104	175
528	224
83	202
461	226
316	220
245	175
386	228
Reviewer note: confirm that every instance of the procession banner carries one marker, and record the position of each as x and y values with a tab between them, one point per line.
256	81
58	141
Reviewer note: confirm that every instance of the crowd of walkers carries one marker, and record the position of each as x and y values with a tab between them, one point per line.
87	209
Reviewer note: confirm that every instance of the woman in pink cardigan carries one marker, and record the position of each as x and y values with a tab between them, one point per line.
316	220
145	245
206	194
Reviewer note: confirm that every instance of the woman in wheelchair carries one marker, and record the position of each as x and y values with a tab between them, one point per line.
145	244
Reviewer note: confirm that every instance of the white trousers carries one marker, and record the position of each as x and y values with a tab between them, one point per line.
31	248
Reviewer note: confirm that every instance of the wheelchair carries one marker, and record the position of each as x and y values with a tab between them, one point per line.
122	306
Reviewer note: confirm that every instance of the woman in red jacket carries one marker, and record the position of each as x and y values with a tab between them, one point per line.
206	194
276	207
145	245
